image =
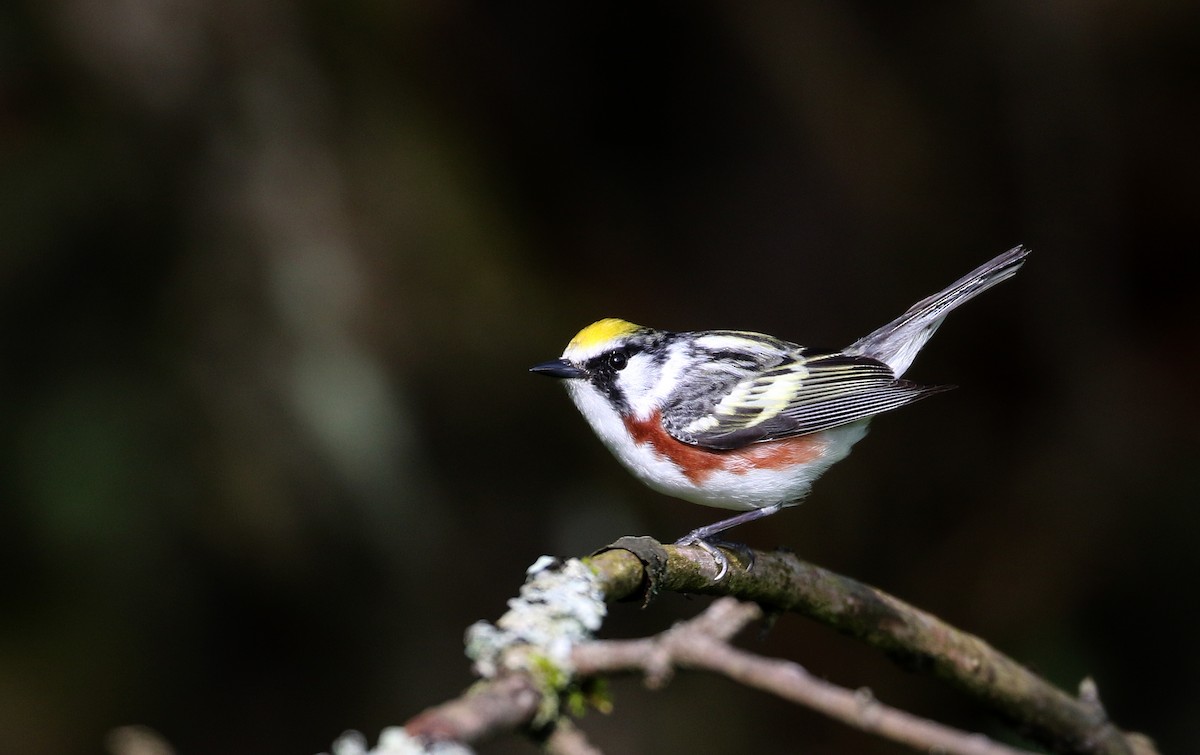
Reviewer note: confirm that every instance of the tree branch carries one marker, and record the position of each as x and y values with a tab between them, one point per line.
911	637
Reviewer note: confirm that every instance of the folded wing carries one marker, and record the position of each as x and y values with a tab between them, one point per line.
804	393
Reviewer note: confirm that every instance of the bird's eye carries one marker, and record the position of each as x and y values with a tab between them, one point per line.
617	360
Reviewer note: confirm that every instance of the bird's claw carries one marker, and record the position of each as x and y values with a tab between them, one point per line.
712	547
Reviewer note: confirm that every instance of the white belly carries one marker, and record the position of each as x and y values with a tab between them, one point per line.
740	490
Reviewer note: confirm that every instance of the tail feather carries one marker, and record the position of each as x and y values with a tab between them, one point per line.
897	343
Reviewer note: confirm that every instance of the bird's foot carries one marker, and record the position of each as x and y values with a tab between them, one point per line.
712	546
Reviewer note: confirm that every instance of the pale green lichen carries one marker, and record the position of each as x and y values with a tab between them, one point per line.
559	606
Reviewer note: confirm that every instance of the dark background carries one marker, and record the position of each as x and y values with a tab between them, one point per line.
271	276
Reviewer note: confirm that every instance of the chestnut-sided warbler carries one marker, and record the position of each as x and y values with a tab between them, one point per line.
741	420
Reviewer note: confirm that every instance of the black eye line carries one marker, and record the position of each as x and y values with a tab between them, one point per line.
611	362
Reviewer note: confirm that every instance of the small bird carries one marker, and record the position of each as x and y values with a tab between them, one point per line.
746	421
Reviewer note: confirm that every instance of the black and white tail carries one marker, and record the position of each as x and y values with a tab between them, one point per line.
897	343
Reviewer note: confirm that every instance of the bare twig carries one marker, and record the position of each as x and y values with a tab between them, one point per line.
506	703
702	644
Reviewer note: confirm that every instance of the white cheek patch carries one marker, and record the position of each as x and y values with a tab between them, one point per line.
669	374
646	384
635	380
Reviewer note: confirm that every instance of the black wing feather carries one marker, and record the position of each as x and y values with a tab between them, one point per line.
803	394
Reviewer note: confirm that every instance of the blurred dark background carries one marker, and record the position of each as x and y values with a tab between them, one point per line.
271	275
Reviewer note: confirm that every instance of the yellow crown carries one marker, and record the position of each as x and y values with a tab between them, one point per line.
601	332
